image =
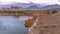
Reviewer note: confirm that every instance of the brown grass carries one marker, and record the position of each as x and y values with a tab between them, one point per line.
29	23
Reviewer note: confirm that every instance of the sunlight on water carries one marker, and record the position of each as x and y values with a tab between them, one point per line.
25	18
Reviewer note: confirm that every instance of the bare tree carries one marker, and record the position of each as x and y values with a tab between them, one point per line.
3	8
14	7
54	11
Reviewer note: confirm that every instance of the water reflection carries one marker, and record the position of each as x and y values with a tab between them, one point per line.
12	25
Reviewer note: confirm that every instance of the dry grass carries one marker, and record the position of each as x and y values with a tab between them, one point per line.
29	23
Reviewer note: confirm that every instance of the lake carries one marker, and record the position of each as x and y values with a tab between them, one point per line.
13	24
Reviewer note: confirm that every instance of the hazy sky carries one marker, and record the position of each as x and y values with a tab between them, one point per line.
34	1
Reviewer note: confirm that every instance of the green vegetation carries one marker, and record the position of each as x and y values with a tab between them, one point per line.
13	12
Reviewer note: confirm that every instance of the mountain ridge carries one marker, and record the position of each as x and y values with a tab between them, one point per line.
32	6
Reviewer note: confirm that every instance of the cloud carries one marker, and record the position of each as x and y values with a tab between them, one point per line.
34	1
44	1
21	1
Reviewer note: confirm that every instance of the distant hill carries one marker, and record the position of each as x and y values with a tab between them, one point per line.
23	5
50	7
31	6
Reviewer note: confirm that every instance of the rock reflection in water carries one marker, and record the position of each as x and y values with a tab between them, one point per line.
11	25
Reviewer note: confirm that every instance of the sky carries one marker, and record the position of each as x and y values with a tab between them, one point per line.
33	1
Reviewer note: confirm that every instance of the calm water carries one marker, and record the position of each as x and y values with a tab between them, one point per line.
13	25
